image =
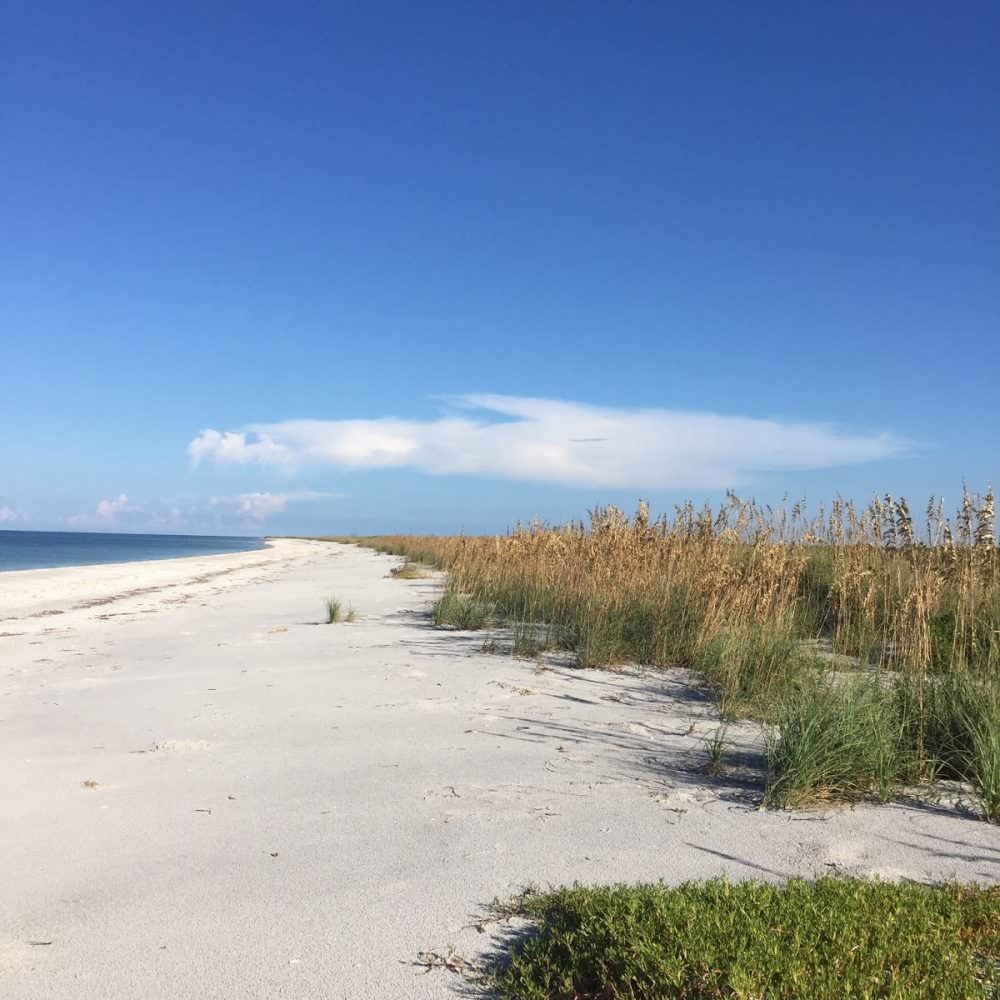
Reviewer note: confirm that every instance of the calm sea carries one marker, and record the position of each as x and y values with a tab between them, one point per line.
43	549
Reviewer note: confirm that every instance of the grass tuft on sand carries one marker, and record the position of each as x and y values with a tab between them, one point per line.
459	611
339	611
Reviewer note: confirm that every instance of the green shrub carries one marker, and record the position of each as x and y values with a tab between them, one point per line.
828	940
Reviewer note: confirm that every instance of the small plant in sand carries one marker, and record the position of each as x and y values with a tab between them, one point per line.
715	748
338	611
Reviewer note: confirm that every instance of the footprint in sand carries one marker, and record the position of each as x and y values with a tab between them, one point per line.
180	746
446	792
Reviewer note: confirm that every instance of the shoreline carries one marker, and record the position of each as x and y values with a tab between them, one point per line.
124	563
27	594
164	546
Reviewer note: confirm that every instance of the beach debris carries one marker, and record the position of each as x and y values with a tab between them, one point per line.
445	792
209	811
514	687
39	944
90	783
450	960
158	746
504	910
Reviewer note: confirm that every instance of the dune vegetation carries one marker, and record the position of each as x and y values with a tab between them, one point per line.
339	611
826	940
867	643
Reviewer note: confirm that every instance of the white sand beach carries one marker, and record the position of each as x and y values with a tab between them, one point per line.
208	794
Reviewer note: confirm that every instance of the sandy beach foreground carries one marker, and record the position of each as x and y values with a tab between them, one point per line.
208	793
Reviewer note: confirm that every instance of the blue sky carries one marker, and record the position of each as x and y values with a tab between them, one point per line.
506	260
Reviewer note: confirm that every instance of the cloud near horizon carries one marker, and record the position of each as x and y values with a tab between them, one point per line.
8	515
110	509
106	512
242	511
259	505
556	441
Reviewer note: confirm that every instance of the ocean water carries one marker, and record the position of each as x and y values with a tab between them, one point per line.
44	549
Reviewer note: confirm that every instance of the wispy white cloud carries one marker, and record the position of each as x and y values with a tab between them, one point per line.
556	441
105	513
260	505
242	512
110	509
234	447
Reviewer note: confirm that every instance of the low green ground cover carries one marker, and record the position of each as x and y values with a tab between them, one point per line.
834	939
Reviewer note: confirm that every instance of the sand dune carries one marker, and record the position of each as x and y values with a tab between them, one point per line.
210	794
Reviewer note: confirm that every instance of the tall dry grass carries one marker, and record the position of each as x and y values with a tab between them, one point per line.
764	602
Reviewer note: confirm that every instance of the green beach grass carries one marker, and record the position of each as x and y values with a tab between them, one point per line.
867	646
